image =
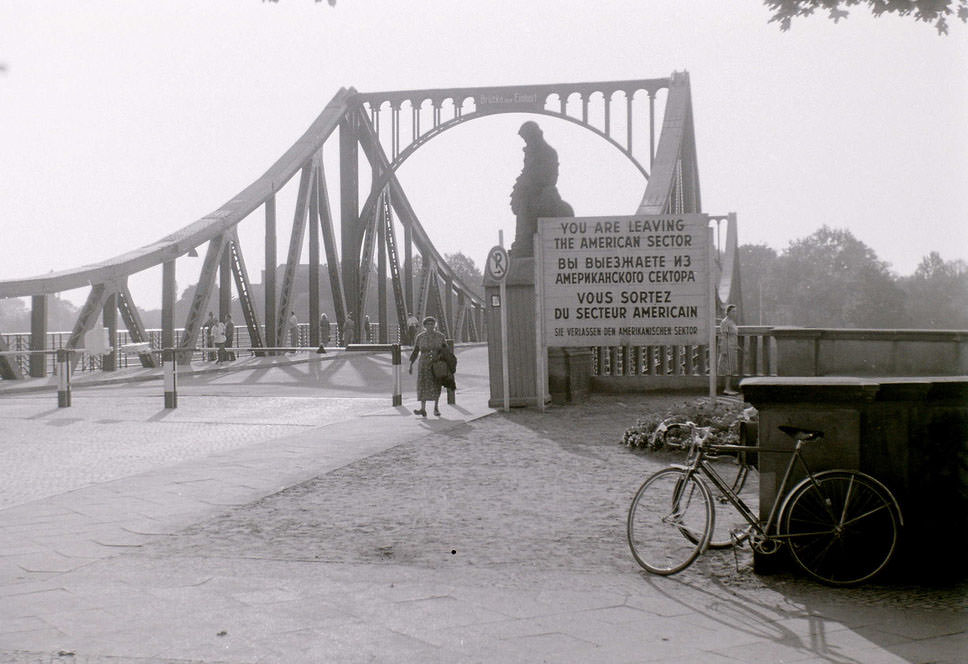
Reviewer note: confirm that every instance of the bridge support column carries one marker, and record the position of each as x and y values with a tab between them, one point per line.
225	283
168	304
350	232
314	265
38	335
408	270
109	361
270	273
381	283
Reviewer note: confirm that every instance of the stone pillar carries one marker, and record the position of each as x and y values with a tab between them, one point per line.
522	355
909	433
569	374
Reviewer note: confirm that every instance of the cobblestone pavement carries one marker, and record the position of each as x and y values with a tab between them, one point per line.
515	491
403	539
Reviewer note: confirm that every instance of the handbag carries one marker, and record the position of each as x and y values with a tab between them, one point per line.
439	369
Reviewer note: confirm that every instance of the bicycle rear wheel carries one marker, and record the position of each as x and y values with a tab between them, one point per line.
843	527
670	521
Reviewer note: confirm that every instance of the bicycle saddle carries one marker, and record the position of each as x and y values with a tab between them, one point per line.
805	435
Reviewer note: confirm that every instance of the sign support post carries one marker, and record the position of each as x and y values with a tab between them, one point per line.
505	376
713	355
540	360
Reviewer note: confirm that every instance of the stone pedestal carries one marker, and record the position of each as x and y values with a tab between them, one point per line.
522	354
909	433
569	374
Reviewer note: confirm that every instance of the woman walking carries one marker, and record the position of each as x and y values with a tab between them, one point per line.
728	349
429	346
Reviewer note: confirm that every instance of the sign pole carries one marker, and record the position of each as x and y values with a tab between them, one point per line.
505	375
497	268
541	378
713	355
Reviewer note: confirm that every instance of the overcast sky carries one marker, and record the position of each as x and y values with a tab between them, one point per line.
121	122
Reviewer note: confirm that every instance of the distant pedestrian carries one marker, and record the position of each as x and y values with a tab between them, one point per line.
293	324
367	330
429	347
349	330
325	333
229	337
728	341
208	338
218	336
412	327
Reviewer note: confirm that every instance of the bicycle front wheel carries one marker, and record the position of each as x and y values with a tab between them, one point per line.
670	521
842	528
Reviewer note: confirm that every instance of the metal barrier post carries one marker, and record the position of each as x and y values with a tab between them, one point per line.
397	380
171	377
451	399
63	378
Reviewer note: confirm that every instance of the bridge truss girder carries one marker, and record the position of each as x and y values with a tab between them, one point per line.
368	230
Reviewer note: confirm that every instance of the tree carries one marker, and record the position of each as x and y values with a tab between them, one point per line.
929	11
15	315
937	294
832	279
757	263
829	279
465	270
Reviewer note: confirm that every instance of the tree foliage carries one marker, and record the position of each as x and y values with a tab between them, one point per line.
831	279
466	271
936	12
937	294
15	314
756	263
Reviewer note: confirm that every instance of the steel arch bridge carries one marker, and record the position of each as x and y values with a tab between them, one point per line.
352	121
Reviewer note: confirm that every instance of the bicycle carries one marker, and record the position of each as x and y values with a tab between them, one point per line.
840	526
738	469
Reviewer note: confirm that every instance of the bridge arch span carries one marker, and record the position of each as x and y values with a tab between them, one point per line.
379	185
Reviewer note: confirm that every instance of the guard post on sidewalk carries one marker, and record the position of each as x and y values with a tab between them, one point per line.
451	398
171	377
63	378
397	380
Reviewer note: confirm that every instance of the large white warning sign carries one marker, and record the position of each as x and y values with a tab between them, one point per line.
614	281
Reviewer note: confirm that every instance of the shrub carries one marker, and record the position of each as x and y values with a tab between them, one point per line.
724	418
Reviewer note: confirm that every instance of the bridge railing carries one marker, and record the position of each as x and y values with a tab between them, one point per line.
801	351
757	357
20	341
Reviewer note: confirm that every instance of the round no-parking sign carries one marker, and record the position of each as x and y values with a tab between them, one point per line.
497	263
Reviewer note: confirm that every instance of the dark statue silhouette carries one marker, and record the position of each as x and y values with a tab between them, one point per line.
535	193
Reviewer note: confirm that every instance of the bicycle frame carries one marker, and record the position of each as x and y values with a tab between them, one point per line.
698	463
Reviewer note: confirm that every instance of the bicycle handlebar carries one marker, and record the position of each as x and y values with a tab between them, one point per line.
698	436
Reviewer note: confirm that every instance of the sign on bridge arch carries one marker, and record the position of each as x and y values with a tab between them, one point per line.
626	280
